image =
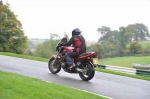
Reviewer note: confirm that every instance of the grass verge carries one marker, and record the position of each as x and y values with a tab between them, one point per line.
24	56
126	61
123	74
13	86
97	69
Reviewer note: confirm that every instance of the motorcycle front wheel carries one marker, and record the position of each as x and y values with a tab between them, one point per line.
54	66
88	71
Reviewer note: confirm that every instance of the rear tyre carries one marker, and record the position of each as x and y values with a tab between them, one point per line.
54	66
88	71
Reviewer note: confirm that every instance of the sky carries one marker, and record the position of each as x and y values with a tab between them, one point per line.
39	18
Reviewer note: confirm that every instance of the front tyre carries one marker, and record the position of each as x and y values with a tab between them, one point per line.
54	66
88	71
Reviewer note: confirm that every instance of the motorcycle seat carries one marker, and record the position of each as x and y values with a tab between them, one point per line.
84	53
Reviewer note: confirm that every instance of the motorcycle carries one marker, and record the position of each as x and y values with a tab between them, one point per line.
85	63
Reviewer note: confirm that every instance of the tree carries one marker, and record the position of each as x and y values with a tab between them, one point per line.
29	52
122	41
31	45
47	48
128	37
115	34
54	36
143	31
105	32
111	50
138	31
131	29
96	48
11	34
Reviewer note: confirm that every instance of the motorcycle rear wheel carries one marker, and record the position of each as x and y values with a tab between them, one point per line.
88	71
54	66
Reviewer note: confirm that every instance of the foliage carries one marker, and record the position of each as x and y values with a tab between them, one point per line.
47	48
112	50
96	48
126	52
135	48
11	34
31	45
108	35
122	41
114	42
29	52
127	37
138	31
105	32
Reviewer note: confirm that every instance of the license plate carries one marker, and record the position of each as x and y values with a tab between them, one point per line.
95	61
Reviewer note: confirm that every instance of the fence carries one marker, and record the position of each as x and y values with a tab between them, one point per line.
126	70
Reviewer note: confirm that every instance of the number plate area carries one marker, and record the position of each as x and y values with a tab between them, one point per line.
95	61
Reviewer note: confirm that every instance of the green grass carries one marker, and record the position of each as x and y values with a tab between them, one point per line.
13	86
123	74
125	61
25	56
145	44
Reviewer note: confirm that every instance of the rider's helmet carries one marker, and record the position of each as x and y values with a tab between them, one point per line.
76	31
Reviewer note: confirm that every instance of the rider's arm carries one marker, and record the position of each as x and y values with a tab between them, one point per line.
71	41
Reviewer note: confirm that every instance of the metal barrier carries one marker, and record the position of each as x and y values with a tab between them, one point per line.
141	66
125	70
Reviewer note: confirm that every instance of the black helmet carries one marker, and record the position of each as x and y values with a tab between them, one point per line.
76	31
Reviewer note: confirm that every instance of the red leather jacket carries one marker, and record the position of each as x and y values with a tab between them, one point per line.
78	42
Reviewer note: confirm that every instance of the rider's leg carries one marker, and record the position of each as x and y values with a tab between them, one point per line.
69	56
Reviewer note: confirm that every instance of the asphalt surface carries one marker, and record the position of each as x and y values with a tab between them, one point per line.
116	87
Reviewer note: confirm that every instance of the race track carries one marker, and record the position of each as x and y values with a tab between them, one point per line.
116	87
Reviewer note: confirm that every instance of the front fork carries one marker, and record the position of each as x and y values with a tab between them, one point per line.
55	57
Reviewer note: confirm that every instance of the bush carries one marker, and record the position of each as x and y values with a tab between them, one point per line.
135	48
106	55
96	48
29	52
127	52
46	49
115	53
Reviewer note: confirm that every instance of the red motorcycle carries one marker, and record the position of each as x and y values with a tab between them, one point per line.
85	63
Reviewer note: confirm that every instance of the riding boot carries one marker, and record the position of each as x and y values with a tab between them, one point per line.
72	66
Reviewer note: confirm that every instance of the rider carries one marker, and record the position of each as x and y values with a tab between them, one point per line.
79	45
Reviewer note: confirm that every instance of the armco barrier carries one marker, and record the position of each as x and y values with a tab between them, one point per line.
141	66
143	72
125	70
